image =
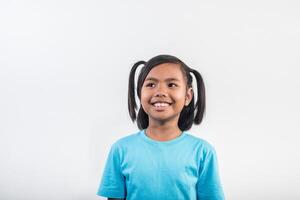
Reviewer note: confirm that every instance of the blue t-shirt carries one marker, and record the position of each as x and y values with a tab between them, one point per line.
140	168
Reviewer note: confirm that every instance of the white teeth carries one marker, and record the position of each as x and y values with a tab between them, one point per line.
161	104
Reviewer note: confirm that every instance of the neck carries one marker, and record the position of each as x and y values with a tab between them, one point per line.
163	132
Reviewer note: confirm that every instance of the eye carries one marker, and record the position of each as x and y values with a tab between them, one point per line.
149	84
172	85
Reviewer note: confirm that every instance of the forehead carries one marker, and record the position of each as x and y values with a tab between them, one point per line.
166	71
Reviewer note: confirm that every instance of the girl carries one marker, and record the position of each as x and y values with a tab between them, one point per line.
163	160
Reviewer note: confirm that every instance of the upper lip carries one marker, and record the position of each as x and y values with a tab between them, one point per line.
160	101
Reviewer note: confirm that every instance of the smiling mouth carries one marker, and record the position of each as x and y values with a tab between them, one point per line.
160	106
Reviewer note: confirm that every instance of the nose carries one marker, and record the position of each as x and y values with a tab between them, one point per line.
160	92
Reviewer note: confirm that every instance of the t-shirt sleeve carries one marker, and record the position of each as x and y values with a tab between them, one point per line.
209	185
112	184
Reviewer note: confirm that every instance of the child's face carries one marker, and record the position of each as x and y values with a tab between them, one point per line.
159	87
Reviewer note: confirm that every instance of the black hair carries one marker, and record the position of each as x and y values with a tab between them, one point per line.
187	116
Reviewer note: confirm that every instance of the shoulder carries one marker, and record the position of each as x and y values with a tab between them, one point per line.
126	145
200	143
128	140
204	151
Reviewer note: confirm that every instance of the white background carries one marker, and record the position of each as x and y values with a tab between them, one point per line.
64	68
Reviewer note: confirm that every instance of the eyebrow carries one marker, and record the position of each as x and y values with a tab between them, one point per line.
156	80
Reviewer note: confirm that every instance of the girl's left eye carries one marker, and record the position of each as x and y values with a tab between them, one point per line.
172	84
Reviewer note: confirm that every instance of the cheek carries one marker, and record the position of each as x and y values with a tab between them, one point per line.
145	101
179	97
144	96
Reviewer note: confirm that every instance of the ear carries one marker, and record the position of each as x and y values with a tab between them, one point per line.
189	96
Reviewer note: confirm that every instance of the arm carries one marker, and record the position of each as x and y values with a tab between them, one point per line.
113	185
209	185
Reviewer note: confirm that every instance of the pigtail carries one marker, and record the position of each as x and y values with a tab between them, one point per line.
200	104
131	94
